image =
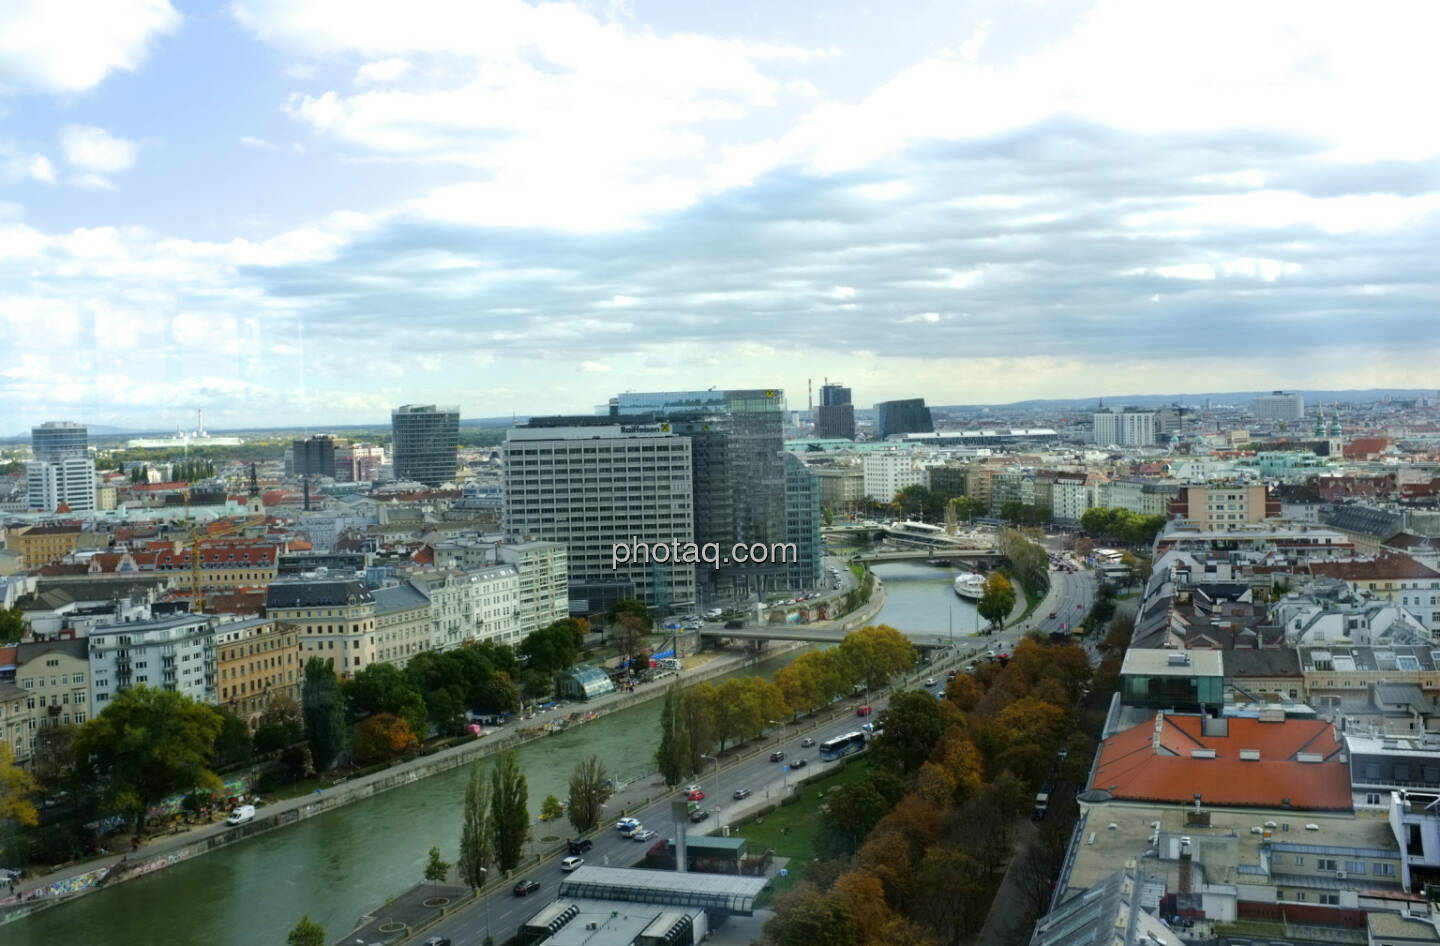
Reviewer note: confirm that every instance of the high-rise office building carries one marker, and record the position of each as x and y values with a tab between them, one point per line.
425	440
1127	428
895	418
62	475
1280	405
314	456
60	440
802	521
835	417
739	477
596	487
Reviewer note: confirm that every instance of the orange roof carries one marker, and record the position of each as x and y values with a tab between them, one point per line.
1131	767
300	545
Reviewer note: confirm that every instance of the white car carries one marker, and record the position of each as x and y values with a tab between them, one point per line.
627	824
571	863
241	815
633	831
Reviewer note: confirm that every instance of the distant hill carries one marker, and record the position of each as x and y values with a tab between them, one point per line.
1238	398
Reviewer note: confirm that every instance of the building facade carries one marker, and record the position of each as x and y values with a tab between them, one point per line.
835	417
53	680
335	617
402	623
64	485
171	653
841	491
1127	428
1069	497
256	661
897	418
44	543
544	582
596	489
60	440
887	472
1279	405
802	523
314	456
1223	506
425	440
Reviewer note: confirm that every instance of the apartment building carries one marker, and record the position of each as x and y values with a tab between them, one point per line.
1070	496
336	620
51	689
1398	579
887	472
43	543
402	623
841	491
544	583
1224	506
1128	428
171	653
597	487
256	660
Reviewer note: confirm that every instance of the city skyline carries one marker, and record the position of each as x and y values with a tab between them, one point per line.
312	212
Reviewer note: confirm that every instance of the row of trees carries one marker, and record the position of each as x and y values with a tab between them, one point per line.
913	852
1029	562
997	600
1122	525
704	718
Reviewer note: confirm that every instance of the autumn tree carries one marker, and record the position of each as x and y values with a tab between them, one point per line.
384	688
16	791
381	737
807	917
876	654
551	808
149	744
864	896
281	724
809	681
997	600
589	791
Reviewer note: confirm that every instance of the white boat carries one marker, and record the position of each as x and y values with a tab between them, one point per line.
970	586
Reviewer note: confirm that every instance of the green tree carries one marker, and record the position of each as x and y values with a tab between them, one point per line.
281	724
306	933
672	756
850	813
148	744
12	625
810	918
550	808
913	725
324	712
634	610
509	810
16	791
384	688
876	654
589	791
436	870
997	600
477	843
234	744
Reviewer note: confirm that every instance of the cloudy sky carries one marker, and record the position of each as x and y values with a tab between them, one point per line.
308	211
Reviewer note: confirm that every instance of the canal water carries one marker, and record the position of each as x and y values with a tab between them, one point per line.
337	866
340	864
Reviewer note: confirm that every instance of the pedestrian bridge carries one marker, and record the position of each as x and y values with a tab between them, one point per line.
819	635
925	555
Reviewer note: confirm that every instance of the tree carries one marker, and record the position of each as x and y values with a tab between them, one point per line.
634	610
997	600
383	688
806	917
913	725
550	808
146	745
436	870
589	791
16	789
477	843
12	625
381	737
281	724
509	811
306	933
234	744
52	758
850	812
672	756
324	713
875	654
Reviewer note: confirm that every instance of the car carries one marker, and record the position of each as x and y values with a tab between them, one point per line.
699	815
807	742
633	831
693	787
798	764
526	887
989	653
777	756
579	845
740	794
929	681
644	835
241	815
1052	615
952	674
696	795
627	824
571	863
862	711
437	941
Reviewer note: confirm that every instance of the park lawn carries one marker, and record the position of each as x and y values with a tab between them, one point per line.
802	819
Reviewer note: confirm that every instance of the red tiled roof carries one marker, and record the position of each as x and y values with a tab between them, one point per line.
424	555
1131	768
159	487
1362	447
1387	567
228	555
300	545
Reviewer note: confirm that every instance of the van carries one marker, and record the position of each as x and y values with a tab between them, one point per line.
241	815
714	614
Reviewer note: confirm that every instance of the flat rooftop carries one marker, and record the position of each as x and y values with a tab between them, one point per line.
714	893
1162	662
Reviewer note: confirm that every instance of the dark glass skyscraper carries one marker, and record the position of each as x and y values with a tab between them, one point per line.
314	456
835	417
425	440
911	416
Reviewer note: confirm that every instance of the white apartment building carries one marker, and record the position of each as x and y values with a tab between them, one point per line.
471	605
171	653
51	689
596	488
1280	405
69	481
889	471
1070	496
402	623
544	572
1124	428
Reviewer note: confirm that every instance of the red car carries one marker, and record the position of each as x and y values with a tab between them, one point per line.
862	711
695	795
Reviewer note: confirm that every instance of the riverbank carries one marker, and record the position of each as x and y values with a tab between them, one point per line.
76	880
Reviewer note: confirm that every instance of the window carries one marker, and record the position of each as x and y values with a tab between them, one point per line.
1327	863
1333	899
1355	867
1383	870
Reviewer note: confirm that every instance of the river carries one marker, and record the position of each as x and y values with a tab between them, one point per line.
341	864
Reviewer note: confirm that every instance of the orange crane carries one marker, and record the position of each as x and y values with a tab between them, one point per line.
198	538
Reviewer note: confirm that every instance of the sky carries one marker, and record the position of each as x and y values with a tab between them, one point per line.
289	212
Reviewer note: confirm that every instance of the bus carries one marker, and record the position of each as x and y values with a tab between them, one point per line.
842	746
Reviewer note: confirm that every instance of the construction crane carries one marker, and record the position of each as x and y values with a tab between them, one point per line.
200	537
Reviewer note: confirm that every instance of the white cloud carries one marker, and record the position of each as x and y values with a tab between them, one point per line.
595	366
97	182
40	169
94	149
260	144
382	70
71	45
